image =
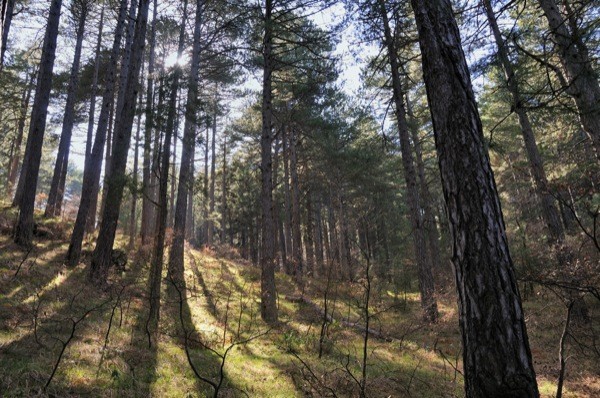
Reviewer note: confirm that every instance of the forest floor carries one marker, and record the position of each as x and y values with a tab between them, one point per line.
96	341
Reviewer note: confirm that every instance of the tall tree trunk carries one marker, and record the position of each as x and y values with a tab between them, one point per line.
496	355
170	218
287	201
205	190
318	233
267	261
190	224
6	13
146	228
426	285
117	110
37	127
91	173
134	191
122	137
536	165
430	225
213	160
309	236
161	226
581	78
296	231
57	187
176	266
16	156
94	92
224	192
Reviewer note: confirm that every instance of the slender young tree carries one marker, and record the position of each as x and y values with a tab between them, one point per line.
16	156
496	355
80	11
426	285
91	173
37	127
176	254
147	190
536	164
581	79
122	137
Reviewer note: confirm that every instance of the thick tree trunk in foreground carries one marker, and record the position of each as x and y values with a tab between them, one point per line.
122	137
426	285
37	127
91	173
549	211
176	266
57	187
268	307
496	355
581	78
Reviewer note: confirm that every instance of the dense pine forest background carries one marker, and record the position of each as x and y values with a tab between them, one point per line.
370	198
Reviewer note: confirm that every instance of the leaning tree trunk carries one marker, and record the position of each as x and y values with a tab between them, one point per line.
426	285
496	355
57	187
37	127
268	307
582	81
176	266
122	137
91	173
536	165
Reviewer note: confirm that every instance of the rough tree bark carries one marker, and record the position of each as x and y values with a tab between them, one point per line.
268	308
426	284
37	127
496	355
582	81
91	173
122	137
536	164
57	186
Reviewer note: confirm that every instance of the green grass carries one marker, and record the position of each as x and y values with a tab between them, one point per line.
222	308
